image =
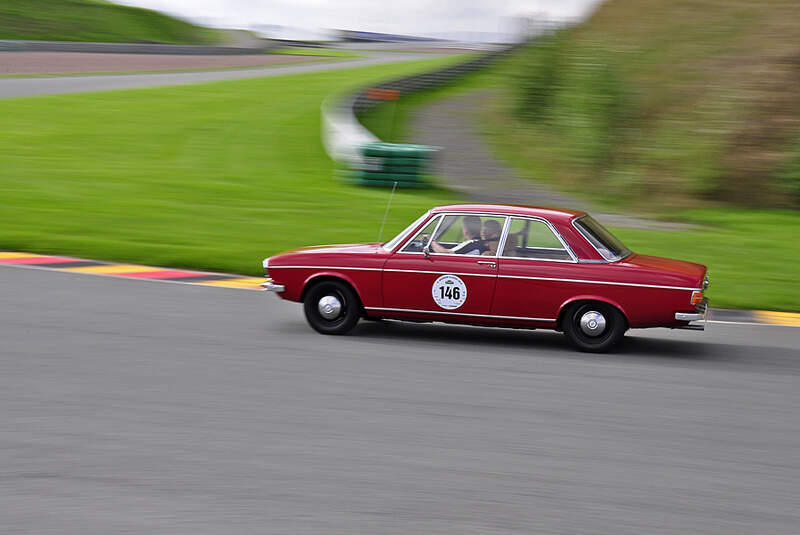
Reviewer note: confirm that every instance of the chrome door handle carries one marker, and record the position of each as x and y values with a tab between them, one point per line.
489	263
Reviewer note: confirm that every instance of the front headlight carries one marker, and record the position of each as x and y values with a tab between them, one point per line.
706	282
265	263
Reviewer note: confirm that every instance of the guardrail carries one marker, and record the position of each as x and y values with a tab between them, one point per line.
362	157
129	48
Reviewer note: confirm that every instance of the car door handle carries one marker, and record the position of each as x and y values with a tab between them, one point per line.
489	263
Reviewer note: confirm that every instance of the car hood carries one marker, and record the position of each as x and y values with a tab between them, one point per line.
340	248
693	272
334	255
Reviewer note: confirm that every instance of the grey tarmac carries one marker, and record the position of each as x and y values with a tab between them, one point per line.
49	85
143	407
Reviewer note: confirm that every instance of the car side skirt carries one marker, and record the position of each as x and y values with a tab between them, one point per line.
457	317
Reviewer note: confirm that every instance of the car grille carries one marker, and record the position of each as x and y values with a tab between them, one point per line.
702	306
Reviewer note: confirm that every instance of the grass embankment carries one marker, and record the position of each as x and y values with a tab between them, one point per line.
212	176
96	21
661	103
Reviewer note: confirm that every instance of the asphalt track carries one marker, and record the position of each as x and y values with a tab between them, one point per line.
48	85
144	407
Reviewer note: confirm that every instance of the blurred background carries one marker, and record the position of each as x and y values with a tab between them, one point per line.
677	122
210	134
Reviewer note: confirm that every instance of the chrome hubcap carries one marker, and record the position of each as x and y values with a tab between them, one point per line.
593	323
329	307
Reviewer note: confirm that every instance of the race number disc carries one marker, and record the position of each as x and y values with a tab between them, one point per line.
449	292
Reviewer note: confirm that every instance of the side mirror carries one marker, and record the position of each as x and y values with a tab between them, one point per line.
427	251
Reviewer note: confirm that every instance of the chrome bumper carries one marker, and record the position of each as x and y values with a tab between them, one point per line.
700	314
272	287
689	316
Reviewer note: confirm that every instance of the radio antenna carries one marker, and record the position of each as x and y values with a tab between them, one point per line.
386	213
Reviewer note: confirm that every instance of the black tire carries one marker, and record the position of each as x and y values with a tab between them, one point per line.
605	339
350	307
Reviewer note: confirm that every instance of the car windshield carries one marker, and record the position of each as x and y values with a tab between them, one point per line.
606	243
394	242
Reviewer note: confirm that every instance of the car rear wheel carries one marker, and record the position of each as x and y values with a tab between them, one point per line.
332	307
594	327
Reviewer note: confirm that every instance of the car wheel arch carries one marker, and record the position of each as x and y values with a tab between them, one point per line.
322	277
565	306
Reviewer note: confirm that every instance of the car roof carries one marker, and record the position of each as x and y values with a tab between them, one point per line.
551	214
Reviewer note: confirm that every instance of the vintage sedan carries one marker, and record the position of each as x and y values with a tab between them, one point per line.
495	265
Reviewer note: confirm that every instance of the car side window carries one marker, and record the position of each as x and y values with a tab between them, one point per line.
421	239
529	238
468	234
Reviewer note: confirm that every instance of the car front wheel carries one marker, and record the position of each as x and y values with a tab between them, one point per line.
332	307
594	327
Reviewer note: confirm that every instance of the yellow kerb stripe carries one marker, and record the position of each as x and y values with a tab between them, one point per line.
236	283
777	318
113	268
17	255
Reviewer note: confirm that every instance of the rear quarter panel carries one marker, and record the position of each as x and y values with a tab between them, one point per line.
647	297
544	289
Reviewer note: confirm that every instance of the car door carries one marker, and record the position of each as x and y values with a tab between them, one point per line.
442	283
533	263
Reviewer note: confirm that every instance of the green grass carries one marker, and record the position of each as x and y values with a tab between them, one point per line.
94	20
212	176
313	51
753	257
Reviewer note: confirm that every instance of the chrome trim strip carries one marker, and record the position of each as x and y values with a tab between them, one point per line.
446	313
503	236
580	281
539	259
688	316
443	272
636	284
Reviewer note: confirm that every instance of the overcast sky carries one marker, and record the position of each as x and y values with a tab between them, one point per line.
412	17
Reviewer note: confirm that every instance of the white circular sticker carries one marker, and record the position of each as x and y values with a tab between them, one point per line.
449	292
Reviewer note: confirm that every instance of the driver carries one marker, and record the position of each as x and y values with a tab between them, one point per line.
472	244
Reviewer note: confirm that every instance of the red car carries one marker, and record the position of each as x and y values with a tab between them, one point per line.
495	265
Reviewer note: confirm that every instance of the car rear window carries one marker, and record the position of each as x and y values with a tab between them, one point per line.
608	245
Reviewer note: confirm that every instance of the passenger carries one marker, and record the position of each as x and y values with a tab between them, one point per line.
472	245
490	235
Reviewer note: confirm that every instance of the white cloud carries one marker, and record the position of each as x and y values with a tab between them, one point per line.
411	17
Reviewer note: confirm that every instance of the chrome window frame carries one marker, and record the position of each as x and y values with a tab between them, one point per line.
479	214
555	232
403	235
427	222
583	235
